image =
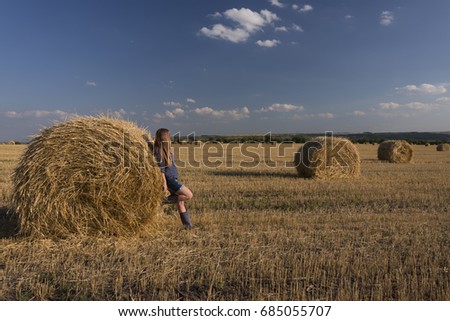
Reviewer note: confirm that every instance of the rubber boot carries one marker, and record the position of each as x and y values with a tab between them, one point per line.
186	220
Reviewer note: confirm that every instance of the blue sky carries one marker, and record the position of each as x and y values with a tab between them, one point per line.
227	67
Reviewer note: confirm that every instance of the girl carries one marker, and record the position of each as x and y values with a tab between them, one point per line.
178	192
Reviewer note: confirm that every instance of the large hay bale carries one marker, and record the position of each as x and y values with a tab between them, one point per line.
443	148
11	142
91	176
331	157
395	151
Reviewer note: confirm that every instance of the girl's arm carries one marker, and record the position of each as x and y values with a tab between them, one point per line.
164	182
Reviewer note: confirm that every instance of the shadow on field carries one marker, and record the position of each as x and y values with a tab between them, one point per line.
9	223
254	174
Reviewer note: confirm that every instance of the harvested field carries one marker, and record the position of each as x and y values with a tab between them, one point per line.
261	233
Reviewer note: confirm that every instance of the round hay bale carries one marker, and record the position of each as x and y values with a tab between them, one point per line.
11	142
331	157
90	176
443	147
395	151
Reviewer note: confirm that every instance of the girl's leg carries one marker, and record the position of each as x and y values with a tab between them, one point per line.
181	207
184	194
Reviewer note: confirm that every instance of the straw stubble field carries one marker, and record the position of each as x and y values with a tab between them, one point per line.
261	233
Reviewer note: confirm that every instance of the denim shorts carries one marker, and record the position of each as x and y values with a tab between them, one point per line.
173	185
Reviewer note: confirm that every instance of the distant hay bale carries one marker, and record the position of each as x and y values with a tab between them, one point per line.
11	142
89	176
395	151
443	147
331	157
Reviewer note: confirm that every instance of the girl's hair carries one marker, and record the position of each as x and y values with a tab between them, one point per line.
162	145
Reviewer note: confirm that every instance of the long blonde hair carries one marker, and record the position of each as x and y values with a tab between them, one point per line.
162	145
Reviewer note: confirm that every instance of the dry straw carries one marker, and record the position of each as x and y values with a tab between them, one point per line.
91	176
331	157
443	147
395	151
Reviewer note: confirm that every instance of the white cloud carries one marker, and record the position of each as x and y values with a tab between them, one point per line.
58	114
280	108
358	113
443	100
91	83
219	31
250	20
114	113
117	113
390	105
157	117
423	88
235	114
12	114
215	15
326	115
296	27
169	114
282	28
269	16
305	8
412	109
420	106
172	114
191	100
277	3
386	18
178	111
348	17
172	104
238	114
268	43
413	106
209	111
247	21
